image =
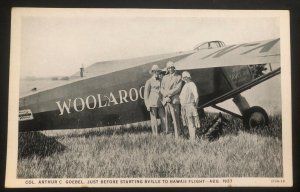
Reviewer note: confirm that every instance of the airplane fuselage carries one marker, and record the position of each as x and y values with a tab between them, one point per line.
115	98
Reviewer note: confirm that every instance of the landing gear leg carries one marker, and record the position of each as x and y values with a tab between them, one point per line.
241	103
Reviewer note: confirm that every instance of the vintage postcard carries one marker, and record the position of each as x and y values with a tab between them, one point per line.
149	98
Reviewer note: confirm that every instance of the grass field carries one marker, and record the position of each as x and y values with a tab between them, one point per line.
135	152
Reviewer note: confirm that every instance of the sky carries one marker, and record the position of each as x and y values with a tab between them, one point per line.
59	46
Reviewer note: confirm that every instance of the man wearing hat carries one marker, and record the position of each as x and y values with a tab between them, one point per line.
153	99
189	100
170	89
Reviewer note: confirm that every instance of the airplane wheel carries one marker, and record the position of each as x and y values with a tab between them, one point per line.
255	117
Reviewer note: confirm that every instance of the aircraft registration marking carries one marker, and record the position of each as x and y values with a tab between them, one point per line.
239	75
25	114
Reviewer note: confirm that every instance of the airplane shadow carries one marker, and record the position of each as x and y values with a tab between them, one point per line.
121	131
36	143
233	126
114	131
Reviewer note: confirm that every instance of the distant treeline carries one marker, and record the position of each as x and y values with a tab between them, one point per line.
33	78
60	78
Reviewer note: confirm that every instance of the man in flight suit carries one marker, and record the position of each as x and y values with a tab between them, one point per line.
170	89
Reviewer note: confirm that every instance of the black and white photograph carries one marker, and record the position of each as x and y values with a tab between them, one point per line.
149	98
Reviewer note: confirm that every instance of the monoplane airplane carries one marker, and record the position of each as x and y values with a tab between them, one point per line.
111	92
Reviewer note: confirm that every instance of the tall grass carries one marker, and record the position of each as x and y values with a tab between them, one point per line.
135	152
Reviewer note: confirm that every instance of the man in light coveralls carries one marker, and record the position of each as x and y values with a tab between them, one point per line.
189	100
170	89
153	99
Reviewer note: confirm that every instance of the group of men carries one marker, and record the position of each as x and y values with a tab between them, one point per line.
165	97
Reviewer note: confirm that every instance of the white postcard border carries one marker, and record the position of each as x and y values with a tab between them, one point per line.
11	180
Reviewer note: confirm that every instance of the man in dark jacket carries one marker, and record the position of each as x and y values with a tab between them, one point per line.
170	89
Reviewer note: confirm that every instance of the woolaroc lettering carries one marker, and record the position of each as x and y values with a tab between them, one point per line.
90	102
123	95
63	107
100	101
131	94
112	99
82	104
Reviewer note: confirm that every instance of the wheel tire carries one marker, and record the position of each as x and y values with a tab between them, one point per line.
255	117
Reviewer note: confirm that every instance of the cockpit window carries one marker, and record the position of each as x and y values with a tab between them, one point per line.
209	45
213	45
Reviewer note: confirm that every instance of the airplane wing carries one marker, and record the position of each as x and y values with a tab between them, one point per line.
260	52
100	68
105	67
